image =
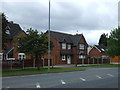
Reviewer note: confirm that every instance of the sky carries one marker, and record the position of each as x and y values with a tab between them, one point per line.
89	17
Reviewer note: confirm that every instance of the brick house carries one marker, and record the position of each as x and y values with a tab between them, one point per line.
68	48
13	31
98	52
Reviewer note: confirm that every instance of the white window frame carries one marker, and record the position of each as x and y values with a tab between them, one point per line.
81	56
69	46
1	56
63	45
81	46
63	57
22	55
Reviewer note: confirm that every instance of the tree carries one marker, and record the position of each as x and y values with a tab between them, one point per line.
34	44
103	39
114	43
4	25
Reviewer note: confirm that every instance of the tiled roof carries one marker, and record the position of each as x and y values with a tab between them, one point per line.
14	30
69	38
101	48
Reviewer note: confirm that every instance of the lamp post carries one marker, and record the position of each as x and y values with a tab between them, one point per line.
49	39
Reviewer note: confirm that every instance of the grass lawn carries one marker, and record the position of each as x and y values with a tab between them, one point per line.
102	65
35	71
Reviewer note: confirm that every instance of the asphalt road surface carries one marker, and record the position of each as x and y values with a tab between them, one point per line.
91	78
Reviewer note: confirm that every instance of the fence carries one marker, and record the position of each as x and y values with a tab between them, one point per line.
93	61
21	64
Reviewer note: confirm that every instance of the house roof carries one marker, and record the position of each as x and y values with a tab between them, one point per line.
69	38
101	48
13	29
9	50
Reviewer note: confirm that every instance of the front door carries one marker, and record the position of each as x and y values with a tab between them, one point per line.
68	59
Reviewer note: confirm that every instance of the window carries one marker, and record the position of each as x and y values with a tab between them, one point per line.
1	56
81	55
21	56
81	46
69	46
63	45
63	57
7	32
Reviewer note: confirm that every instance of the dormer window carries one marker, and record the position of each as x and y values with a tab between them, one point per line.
63	45
81	46
7	32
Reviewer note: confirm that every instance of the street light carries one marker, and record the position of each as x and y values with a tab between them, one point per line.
49	39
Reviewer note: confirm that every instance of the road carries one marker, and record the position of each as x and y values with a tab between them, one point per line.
91	78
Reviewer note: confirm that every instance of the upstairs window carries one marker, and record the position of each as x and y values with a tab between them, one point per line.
81	46
69	46
63	45
7	32
21	56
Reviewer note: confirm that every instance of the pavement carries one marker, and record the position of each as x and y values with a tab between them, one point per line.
91	78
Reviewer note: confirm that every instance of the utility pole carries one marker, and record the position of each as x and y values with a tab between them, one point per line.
49	40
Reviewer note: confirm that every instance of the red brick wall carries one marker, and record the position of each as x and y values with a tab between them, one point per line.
95	52
55	52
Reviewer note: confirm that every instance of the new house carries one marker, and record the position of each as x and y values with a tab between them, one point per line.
98	52
13	31
68	48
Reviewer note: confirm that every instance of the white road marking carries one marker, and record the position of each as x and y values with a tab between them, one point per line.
38	85
82	79
98	77
63	82
110	75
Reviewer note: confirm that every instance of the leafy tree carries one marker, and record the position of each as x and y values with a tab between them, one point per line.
4	25
103	39
114	43
34	44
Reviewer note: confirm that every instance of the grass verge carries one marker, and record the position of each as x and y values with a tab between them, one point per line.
35	71
101	65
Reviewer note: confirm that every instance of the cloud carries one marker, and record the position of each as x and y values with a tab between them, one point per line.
91	16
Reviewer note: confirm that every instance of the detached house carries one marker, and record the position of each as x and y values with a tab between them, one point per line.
98	52
13	31
68	49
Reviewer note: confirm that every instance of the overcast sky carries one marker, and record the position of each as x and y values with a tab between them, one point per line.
90	17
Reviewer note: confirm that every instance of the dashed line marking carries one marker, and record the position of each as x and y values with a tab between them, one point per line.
110	75
83	79
63	82
38	85
98	77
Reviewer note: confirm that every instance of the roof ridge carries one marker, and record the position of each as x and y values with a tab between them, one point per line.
61	32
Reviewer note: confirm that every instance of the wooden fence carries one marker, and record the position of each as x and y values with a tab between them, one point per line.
21	64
